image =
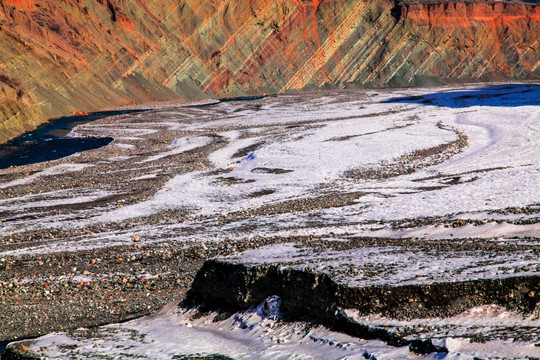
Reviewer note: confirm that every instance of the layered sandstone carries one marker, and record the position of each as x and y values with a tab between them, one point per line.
63	57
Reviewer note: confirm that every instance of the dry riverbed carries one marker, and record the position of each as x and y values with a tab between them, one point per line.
372	188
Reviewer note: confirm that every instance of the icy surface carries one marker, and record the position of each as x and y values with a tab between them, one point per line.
291	149
393	265
256	334
181	145
52	171
372	187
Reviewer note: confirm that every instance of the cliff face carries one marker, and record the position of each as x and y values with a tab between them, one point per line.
62	57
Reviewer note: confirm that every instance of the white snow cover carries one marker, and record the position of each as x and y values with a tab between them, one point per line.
340	136
292	149
52	171
392	265
182	145
259	334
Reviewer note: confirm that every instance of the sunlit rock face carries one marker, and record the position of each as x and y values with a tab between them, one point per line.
63	57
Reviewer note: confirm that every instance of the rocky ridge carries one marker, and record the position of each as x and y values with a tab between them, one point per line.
72	57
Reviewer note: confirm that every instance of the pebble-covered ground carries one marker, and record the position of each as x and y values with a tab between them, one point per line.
117	232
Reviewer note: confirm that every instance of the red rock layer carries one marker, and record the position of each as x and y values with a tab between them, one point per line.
63	57
21	4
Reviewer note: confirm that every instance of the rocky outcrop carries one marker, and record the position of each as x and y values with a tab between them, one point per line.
230	287
305	295
60	58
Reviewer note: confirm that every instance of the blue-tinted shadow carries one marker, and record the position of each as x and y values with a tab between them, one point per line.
3	345
506	95
48	142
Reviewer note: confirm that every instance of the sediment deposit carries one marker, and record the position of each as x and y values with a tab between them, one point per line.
60	58
440	221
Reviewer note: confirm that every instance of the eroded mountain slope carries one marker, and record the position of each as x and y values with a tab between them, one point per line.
59	58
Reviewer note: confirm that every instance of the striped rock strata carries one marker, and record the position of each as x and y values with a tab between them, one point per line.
74	56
